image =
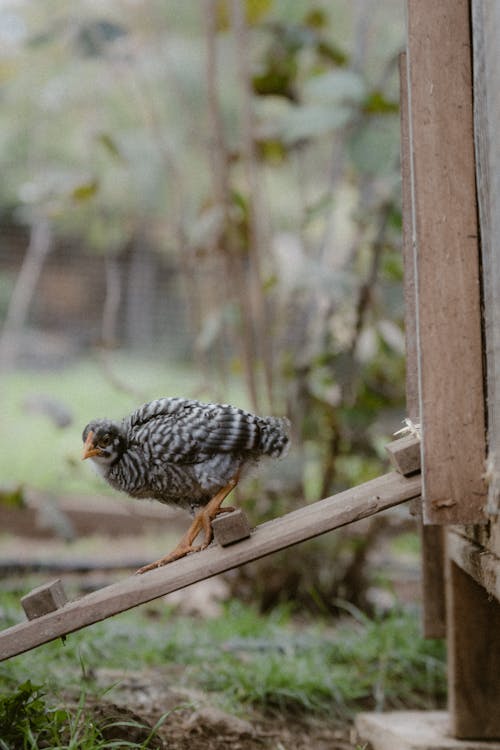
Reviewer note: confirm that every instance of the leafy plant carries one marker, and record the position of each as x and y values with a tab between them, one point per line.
26	722
29	722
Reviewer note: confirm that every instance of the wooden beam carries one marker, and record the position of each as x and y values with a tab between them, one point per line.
447	262
297	526
486	53
432	539
412	397
473	657
481	565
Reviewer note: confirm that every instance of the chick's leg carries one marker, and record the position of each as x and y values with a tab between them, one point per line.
213	509
183	548
202	521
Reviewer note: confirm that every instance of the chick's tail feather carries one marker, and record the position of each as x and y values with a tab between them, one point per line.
274	436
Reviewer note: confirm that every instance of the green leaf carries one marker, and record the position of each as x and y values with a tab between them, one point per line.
377	103
271	150
316	18
332	53
255	11
12	497
109	143
85	191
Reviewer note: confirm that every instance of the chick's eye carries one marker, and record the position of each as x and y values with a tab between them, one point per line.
104	441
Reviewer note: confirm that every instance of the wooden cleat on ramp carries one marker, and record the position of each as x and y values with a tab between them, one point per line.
231	527
404	455
44	599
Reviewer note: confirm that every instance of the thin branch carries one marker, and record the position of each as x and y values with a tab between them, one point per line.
235	280
255	203
365	295
109	330
39	247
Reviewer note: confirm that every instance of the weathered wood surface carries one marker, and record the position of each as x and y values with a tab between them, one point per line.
43	599
404	455
433	588
486	54
297	526
473	656
412	397
481	565
232	527
447	262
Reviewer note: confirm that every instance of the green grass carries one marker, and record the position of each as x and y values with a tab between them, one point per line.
33	452
250	660
30	722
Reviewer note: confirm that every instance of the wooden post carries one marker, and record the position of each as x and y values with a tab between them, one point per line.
432	539
447	262
486	53
473	657
449	338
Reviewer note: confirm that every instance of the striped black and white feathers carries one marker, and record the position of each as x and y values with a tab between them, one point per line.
180	451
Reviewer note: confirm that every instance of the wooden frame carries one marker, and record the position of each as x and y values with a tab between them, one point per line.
446	276
432	539
447	270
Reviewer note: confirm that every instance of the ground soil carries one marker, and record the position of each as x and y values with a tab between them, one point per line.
194	723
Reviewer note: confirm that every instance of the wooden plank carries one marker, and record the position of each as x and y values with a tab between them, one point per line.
482	566
412	397
447	262
473	657
297	526
432	539
486	53
433	581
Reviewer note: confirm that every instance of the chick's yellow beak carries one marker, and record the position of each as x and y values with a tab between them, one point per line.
89	449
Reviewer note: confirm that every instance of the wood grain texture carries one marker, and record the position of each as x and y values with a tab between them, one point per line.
473	657
412	397
231	527
304	523
447	262
486	54
482	566
43	599
432	539
404	455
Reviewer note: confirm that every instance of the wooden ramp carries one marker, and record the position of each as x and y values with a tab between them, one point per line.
292	528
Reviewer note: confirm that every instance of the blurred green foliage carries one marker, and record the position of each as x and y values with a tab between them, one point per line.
259	149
